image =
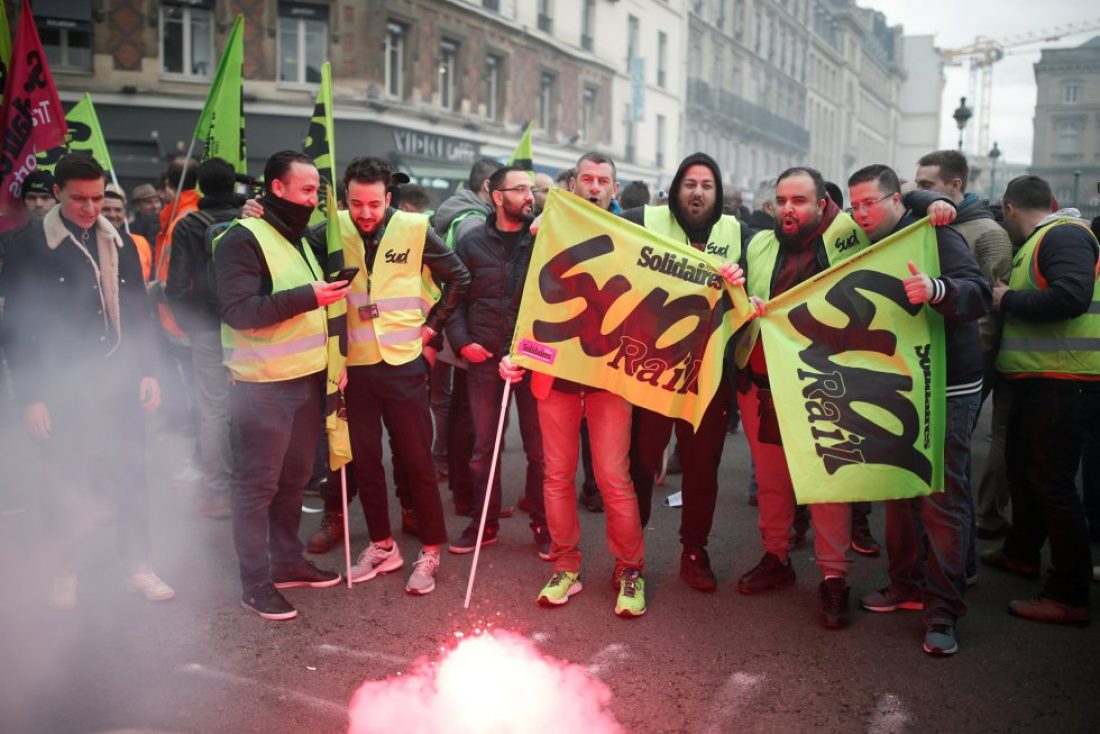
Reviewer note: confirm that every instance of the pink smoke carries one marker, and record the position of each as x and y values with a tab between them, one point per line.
495	683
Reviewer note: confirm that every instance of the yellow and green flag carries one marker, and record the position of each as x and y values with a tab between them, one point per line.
523	156
858	376
336	416
221	125
5	49
84	136
608	304
319	143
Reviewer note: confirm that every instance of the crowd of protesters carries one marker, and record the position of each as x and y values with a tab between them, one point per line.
222	293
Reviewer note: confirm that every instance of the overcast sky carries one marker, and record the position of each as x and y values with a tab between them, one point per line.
955	23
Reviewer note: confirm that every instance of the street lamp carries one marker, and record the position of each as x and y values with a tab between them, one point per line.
993	156
1076	183
962	116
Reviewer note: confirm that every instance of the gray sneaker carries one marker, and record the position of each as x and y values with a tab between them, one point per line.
887	600
422	579
375	560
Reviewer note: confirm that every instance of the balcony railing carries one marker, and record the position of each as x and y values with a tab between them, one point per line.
727	104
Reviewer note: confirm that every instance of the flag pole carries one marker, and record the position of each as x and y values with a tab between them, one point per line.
488	490
175	208
347	538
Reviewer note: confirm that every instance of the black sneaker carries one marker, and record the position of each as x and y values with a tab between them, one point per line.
770	573
833	612
864	543
592	502
265	600
542	540
695	569
329	535
467	542
304	573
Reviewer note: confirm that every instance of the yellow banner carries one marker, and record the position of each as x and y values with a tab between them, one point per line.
611	305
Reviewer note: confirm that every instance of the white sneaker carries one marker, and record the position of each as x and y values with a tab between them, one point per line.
63	592
422	579
143	581
375	560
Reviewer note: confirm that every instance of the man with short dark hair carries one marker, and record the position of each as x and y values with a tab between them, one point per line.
543	184
635	194
194	303
1047	352
80	343
38	194
934	581
414	199
497	254
271	294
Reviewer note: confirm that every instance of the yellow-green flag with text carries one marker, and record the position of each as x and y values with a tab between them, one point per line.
319	144
857	376
609	304
84	136
5	49
336	415
523	156
221	125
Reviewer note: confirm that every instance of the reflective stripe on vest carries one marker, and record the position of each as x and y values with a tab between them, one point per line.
1068	348
841	239
395	288
292	348
724	240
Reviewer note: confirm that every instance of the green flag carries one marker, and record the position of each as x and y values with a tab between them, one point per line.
221	125
857	376
612	305
523	157
320	141
85	136
5	49
336	417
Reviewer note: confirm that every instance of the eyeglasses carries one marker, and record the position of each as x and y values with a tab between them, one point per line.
866	205
521	189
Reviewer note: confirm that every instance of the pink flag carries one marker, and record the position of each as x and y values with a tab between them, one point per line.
31	118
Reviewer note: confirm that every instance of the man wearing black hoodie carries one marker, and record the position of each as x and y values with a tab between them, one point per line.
272	297
930	574
190	294
693	216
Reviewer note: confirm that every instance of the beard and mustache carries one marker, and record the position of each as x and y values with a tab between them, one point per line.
800	236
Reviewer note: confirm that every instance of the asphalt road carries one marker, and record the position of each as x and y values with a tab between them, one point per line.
695	662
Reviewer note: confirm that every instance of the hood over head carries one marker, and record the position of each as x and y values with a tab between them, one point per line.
696	234
461	201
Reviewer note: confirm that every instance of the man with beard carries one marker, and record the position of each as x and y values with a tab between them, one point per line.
810	235
497	254
272	296
693	216
561	406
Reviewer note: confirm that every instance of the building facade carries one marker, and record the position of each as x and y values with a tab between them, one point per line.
1066	147
430	84
920	104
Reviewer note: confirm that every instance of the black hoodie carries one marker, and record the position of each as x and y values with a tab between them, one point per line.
700	235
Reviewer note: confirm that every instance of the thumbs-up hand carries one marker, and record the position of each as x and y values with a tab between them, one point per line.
918	286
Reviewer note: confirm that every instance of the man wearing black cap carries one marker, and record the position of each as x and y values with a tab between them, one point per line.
38	194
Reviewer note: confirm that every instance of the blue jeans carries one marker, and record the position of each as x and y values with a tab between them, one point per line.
486	389
942	520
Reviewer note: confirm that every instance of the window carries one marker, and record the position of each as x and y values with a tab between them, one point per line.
448	59
720	19
303	42
588	114
1071	93
546	101
493	5
631	41
630	130
187	39
588	23
662	59
1069	138
660	141
546	21
65	29
395	60
493	87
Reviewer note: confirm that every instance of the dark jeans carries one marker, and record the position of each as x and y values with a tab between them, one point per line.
440	397
460	442
273	433
1090	461
330	492
486	390
700	454
399	394
935	569
1044	449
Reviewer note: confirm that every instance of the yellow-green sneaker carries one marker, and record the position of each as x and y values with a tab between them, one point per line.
631	601
561	586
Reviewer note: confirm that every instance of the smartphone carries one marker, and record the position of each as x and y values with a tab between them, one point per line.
346	274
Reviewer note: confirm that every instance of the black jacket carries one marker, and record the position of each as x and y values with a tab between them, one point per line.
61	349
497	275
447	270
1067	260
962	295
190	291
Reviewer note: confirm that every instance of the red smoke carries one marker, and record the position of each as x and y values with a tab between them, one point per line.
495	683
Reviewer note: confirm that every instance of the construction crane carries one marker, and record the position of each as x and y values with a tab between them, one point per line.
985	52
